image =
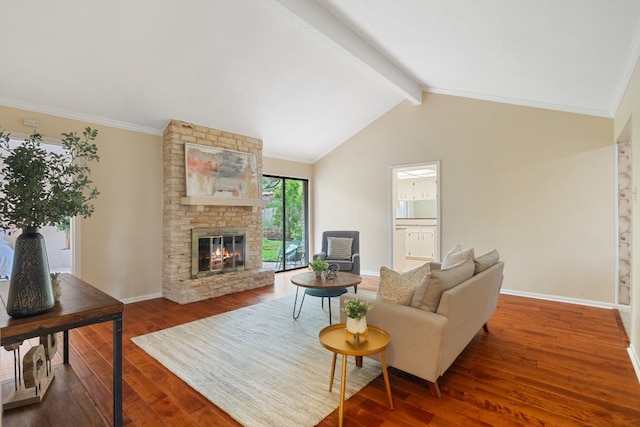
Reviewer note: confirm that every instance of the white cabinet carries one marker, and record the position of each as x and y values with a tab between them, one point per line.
417	189
420	242
405	189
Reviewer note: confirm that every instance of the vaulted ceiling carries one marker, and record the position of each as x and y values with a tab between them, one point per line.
305	75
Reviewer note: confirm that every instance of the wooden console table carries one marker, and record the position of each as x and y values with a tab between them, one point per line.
80	304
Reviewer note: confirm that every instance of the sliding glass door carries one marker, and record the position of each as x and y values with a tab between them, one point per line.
284	223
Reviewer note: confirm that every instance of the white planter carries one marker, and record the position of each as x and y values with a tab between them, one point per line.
357	326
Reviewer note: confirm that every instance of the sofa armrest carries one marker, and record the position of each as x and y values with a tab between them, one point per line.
416	335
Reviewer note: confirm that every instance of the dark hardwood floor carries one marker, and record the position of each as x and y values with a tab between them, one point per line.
542	363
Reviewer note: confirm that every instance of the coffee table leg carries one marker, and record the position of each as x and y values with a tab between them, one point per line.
295	302
333	371
386	378
342	389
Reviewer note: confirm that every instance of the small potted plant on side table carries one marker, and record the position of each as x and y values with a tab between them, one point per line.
318	266
356	312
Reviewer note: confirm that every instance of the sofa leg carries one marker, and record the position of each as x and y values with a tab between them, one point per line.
435	389
486	328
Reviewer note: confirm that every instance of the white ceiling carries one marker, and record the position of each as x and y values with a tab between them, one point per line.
305	75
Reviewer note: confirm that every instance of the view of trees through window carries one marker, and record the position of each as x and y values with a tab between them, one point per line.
284	223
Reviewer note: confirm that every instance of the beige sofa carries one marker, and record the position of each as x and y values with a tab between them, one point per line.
425	343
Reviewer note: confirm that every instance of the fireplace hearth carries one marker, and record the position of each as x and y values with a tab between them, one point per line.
217	251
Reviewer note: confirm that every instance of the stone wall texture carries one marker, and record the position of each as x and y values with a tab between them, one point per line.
179	219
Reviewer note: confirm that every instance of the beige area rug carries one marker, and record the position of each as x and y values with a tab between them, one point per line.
258	364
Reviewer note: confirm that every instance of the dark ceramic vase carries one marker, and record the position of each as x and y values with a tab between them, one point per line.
30	290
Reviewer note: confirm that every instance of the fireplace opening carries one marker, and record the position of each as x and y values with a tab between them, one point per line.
217	251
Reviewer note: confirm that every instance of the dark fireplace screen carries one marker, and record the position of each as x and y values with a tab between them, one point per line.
217	251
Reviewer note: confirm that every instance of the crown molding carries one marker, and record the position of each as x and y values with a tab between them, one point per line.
58	112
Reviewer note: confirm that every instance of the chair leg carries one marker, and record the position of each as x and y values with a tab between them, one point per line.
435	389
486	328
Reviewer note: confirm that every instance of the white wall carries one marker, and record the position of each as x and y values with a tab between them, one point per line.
628	113
537	185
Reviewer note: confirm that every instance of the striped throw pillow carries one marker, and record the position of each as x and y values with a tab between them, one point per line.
339	247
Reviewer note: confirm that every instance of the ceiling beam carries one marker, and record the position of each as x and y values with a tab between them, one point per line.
316	18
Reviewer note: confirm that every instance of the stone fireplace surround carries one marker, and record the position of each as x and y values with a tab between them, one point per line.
180	217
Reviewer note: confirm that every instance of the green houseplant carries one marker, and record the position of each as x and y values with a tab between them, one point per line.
41	188
356	312
318	265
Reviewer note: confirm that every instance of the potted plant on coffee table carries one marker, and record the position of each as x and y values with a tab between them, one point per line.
39	188
318	265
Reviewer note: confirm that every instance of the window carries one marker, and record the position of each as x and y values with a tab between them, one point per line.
284	223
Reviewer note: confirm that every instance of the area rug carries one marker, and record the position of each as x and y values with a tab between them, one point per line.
258	364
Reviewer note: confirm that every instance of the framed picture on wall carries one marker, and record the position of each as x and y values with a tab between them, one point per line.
214	172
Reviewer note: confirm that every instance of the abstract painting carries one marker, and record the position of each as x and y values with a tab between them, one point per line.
214	172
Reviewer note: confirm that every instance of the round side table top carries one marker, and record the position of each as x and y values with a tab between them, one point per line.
334	338
342	280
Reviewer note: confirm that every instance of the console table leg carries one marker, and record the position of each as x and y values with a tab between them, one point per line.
65	350
117	371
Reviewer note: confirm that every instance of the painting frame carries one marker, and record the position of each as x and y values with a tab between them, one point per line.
220	173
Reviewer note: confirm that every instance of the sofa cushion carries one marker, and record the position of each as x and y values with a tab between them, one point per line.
427	295
398	288
339	247
455	258
453	250
485	261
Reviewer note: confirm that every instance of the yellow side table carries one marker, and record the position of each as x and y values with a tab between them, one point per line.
333	338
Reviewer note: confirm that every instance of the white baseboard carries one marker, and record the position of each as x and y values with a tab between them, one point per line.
634	361
142	298
590	303
369	273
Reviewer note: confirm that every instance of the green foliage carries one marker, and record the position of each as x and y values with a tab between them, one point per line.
270	249
44	188
356	309
318	264
291	214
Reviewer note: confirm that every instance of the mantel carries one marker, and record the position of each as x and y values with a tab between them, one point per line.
215	201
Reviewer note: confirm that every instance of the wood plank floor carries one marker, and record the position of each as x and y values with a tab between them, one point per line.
542	363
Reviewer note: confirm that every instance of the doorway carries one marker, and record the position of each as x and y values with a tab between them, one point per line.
284	223
416	215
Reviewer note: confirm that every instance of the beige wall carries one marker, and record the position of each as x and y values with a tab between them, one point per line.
624	130
290	169
537	185
121	242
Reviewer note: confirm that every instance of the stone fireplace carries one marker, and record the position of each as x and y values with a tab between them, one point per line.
216	225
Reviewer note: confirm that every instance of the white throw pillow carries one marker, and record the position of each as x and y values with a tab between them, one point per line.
398	288
455	258
339	247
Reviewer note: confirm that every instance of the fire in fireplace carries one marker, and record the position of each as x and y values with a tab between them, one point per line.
216	251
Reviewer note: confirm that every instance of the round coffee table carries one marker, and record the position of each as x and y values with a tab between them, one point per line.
336	339
321	287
